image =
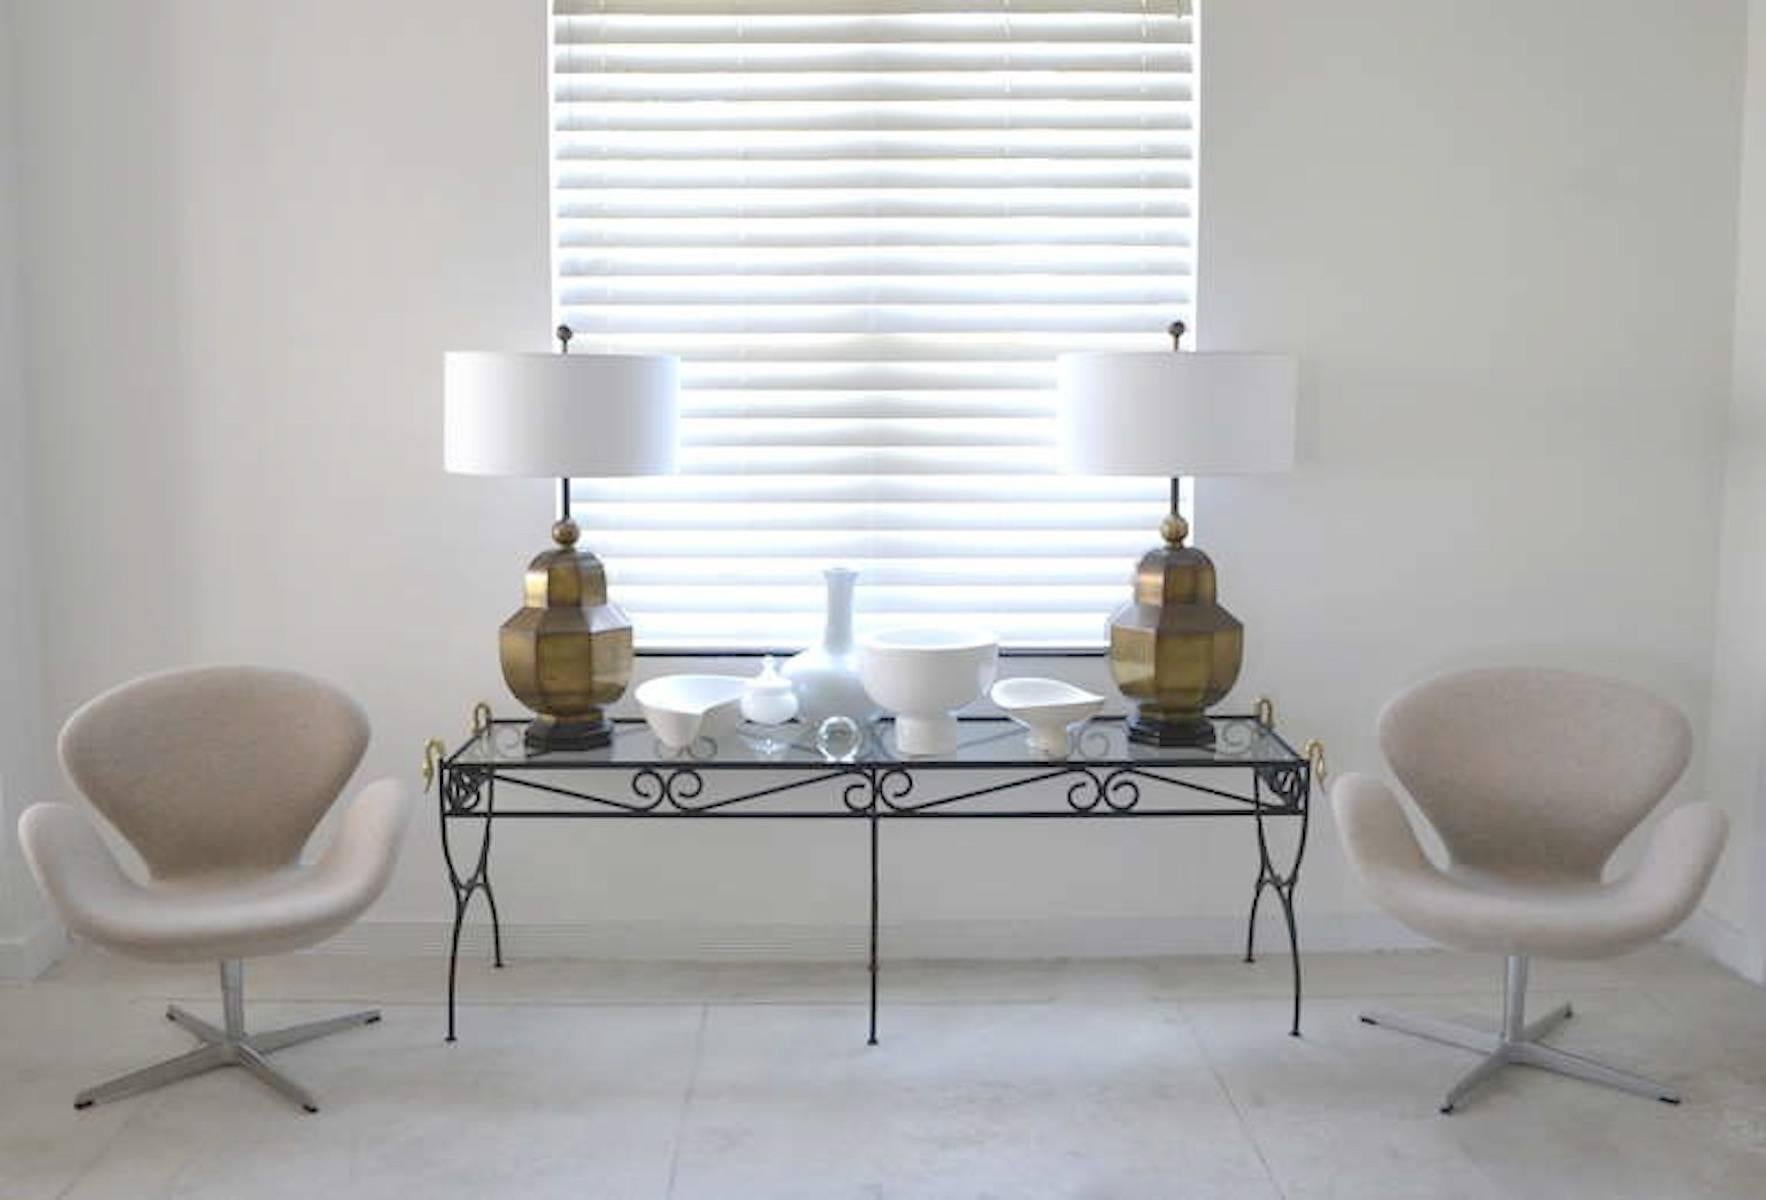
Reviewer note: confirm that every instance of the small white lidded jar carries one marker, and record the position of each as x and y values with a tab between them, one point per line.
768	698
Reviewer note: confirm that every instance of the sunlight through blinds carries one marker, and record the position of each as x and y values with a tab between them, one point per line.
867	227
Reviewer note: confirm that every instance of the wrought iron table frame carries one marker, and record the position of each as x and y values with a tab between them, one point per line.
875	790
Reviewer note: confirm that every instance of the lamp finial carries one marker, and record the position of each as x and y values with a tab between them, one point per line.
564	333
1174	529
1177	329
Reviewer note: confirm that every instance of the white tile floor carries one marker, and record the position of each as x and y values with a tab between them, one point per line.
1172	1078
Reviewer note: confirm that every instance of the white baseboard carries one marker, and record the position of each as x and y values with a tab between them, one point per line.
1073	937
1724	941
29	954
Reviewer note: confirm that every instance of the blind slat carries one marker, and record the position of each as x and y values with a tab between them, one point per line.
685	28
927	202
859	58
1001	86
1053	317
1014	237
865	173
650	8
877	115
837	145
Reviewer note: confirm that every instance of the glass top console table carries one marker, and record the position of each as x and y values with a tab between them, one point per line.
779	774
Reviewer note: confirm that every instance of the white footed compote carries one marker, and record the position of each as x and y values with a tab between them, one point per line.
1048	708
681	709
923	675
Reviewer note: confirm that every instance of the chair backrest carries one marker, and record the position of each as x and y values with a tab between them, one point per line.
218	768
1530	773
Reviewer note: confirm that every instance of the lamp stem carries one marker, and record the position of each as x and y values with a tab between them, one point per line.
564	333
1174	529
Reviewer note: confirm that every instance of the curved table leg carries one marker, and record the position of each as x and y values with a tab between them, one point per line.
1251	923
872	1040
459	793
1285	893
484	875
1294	791
496	924
460	902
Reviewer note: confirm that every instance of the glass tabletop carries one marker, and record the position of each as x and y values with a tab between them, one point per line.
983	742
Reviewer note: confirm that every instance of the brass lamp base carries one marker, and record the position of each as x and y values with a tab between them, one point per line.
1151	729
577	733
567	653
1174	651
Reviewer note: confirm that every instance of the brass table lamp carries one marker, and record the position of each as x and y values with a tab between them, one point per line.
567	653
1174	650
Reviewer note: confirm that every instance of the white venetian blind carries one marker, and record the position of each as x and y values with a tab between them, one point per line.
867	227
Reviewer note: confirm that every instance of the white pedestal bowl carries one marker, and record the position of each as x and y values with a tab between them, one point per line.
923	675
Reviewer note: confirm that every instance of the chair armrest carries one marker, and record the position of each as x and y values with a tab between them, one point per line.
361	856
1378	836
1677	864
76	870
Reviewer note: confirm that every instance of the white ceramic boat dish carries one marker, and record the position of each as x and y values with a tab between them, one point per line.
681	709
923	675
1048	708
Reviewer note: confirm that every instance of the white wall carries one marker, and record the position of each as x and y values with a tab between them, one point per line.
1506	266
1738	717
23	943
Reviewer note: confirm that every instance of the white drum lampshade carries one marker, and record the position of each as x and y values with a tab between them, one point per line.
1171	413
559	415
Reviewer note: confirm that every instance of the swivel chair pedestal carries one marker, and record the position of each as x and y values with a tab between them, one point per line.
1518	1044
229	1046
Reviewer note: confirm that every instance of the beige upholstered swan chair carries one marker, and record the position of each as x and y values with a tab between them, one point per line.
1532	778
216	777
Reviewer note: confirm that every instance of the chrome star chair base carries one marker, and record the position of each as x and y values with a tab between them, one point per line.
230	1046
1518	1044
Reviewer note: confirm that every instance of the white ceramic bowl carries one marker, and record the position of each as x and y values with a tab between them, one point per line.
923	675
681	709
1048	708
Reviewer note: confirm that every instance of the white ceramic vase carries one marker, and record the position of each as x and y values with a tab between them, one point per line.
826	676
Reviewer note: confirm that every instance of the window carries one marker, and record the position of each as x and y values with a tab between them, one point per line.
867	227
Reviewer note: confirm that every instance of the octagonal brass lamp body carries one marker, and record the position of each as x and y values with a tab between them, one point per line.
567	652
1174	651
